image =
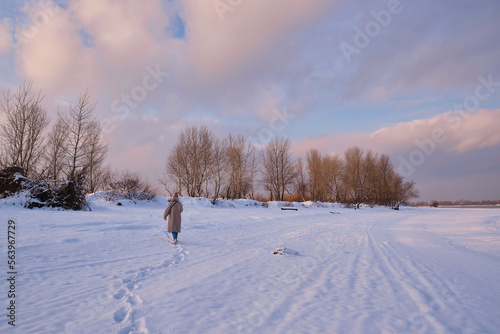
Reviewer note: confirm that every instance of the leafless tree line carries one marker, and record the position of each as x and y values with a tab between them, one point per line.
200	164
203	165
359	176
462	202
73	149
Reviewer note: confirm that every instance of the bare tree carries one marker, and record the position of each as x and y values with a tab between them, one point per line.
371	176
175	172
316	180
386	175
358	166
278	168
240	156
22	133
95	152
219	167
300	183
333	170
78	120
403	191
165	180
253	168
188	165
206	141
55	152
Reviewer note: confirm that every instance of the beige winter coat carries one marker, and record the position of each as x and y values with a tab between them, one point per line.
173	211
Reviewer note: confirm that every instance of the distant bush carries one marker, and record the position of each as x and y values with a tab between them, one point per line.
131	186
130	195
260	198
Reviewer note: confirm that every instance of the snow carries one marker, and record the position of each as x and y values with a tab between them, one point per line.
371	270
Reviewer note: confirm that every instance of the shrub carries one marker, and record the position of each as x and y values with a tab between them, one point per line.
11	180
131	186
130	195
63	194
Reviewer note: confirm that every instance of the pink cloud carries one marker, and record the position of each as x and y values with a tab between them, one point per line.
50	52
123	30
478	130
220	42
458	132
5	38
106	46
137	157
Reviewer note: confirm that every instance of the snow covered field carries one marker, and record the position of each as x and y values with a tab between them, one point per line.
112	270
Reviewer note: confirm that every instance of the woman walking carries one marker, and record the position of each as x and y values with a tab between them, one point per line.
173	211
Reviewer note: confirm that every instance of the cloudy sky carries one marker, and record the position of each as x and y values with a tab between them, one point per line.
419	80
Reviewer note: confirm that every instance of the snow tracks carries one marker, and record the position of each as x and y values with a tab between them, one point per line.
358	283
385	291
130	315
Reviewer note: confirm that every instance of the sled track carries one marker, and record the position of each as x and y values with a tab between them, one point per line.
129	314
365	273
353	288
306	285
427	294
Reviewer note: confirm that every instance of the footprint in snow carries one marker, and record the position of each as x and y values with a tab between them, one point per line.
127	312
119	294
121	315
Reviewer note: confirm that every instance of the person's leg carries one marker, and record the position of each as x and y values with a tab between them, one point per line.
174	235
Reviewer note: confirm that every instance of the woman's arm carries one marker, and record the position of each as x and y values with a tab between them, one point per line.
167	210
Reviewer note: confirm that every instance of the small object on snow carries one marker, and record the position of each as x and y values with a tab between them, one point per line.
279	251
119	204
288	208
282	250
335	213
